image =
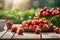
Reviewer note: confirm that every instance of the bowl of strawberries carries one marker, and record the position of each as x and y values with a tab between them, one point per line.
9	24
43	25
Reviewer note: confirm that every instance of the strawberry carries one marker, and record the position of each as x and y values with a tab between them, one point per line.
45	8
39	15
37	31
36	18
41	11
46	21
48	11
30	22
51	10
24	25
57	12
45	26
14	29
41	25
20	31
40	21
43	14
35	22
58	9
56	30
54	13
30	27
9	23
34	26
47	14
50	25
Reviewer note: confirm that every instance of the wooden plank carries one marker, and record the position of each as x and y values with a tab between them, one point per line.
50	36
27	36
8	35
2	32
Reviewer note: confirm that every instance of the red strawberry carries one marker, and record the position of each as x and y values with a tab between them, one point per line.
43	14
45	8
29	22
39	15
14	29
41	11
50	25
36	18
35	22
46	21
30	27
56	30
37	31
34	26
24	22
9	23
48	11
20	31
57	12
51	10
45	26
47	14
32	22
40	21
24	25
58	9
41	25
54	13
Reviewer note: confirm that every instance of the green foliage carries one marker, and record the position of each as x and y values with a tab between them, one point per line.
17	16
56	20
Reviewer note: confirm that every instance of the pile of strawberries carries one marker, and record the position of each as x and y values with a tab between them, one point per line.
37	23
9	25
45	12
18	30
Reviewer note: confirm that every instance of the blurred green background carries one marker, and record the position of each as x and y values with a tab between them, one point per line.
17	16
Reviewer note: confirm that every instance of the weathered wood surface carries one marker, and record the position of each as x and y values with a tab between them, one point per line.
51	35
2	33
27	36
7	34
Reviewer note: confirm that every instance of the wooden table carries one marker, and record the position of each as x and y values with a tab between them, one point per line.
8	35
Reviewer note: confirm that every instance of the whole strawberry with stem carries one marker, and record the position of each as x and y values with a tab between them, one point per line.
45	8
46	22
14	29
56	30
37	31
53	13
50	25
41	25
20	31
47	14
45	26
